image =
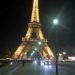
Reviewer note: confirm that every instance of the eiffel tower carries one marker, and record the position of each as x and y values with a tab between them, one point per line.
34	40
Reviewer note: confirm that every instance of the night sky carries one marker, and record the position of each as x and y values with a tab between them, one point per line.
15	16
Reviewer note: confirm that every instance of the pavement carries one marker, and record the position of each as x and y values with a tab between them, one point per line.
31	68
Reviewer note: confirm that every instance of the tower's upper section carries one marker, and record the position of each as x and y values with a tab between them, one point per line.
35	12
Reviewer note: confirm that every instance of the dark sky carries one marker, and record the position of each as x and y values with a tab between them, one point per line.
15	16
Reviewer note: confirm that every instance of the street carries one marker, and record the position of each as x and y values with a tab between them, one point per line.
31	68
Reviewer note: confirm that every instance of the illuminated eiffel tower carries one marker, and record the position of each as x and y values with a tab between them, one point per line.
34	40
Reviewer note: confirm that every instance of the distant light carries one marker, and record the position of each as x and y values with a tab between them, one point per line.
72	58
42	63
35	49
35	62
39	43
64	53
55	21
45	63
46	66
49	63
60	54
32	53
11	63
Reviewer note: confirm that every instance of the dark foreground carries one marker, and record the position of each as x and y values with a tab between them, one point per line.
18	68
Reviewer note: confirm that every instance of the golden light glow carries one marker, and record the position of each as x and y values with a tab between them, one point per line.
34	26
18	51
44	54
40	34
49	51
28	35
35	13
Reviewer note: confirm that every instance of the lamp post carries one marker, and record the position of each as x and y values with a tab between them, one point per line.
55	23
57	72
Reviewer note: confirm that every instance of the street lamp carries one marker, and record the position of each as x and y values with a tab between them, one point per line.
55	21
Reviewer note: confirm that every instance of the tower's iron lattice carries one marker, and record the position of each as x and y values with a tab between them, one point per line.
32	37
